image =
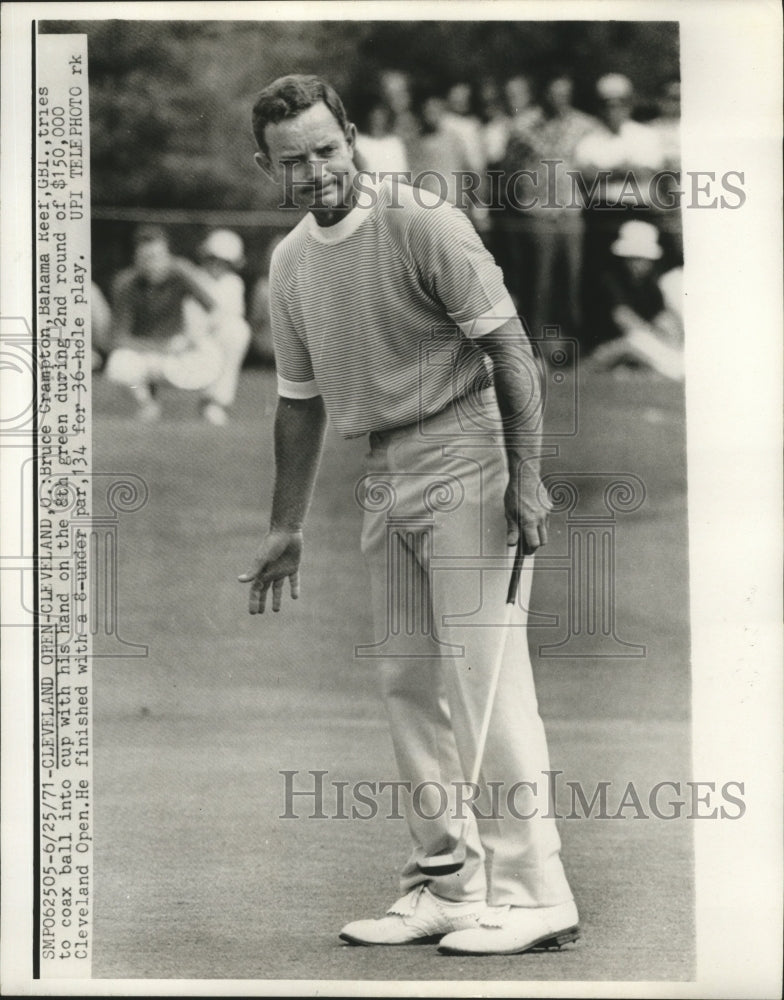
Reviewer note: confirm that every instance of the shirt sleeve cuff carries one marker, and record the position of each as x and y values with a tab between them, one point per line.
499	314
298	390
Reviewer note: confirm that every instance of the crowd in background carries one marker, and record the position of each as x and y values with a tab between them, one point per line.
554	249
604	269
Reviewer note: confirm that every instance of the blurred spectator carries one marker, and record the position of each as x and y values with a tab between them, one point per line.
222	256
553	225
668	124
495	123
378	148
668	210
262	349
671	285
647	327
514	257
618	144
519	95
625	155
495	129
395	88
460	118
437	153
162	321
101	327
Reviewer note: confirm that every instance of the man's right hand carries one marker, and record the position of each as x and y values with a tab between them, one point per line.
278	557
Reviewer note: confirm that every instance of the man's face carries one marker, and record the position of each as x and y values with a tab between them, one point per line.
153	260
518	93
639	267
459	99
432	113
670	103
616	111
378	121
313	158
558	94
396	91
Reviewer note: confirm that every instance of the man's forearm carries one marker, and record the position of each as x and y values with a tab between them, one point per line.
518	387
299	436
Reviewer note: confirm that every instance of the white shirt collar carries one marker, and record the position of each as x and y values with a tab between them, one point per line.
351	221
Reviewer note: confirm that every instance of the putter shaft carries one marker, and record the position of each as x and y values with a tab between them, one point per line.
448	864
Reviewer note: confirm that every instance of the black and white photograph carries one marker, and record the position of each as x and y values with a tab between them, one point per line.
391	448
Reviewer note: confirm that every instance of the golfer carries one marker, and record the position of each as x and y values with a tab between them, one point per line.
390	316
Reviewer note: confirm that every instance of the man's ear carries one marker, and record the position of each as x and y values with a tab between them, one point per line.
264	164
351	136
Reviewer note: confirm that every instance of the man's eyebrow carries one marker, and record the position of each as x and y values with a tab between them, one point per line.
320	143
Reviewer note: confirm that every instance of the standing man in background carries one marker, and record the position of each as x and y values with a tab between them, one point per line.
628	154
389	314
553	224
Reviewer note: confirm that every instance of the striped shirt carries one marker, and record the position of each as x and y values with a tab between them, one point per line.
377	313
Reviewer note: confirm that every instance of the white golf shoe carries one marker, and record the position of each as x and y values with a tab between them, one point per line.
419	917
511	930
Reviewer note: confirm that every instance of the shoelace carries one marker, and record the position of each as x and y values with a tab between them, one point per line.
406	906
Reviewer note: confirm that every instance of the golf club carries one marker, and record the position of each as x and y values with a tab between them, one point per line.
453	861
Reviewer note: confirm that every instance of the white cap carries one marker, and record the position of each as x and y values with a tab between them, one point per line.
637	239
614	86
225	245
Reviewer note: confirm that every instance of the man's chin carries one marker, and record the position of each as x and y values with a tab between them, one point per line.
328	201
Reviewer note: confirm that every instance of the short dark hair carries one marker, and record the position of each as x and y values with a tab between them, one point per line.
287	97
557	73
150	233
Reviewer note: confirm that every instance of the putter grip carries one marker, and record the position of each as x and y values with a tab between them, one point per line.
511	593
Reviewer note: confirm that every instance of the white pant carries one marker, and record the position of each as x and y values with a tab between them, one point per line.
434	608
233	336
209	360
191	368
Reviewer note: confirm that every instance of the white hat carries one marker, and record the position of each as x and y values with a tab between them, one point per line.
614	86
637	239
225	245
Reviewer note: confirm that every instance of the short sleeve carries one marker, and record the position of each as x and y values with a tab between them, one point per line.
459	270
292	360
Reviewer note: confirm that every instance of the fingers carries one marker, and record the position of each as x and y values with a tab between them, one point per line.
530	539
258	597
534	536
257	601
